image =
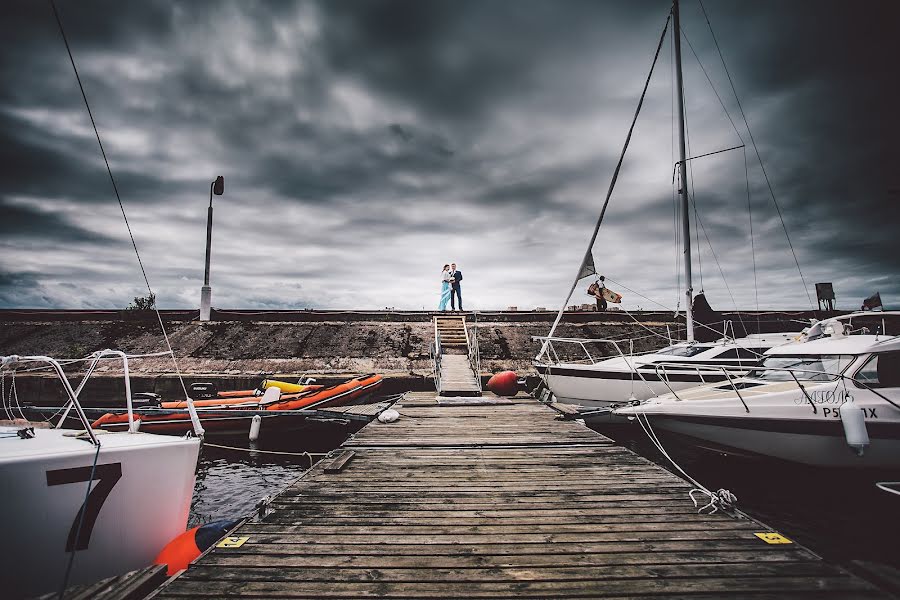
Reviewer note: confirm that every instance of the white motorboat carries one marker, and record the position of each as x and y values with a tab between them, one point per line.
591	383
106	502
794	406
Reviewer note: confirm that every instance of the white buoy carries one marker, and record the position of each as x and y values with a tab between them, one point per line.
854	422
388	416
255	423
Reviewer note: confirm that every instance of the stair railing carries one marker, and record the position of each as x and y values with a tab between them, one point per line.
474	353
435	350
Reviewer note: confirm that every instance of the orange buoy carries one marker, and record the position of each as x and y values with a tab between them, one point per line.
504	383
179	553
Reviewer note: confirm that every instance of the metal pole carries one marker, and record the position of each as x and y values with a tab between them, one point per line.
685	212
206	290
209	216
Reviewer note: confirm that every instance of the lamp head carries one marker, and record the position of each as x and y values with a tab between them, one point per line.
219	186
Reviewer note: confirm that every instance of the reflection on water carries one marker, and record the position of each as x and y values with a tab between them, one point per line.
837	513
231	482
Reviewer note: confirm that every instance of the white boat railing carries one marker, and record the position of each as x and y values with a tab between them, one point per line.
582	341
12	363
732	372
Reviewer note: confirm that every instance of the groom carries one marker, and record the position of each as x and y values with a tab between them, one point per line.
455	289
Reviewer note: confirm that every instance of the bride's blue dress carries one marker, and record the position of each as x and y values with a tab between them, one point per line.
445	295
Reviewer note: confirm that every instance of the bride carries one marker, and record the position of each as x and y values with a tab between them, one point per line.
445	288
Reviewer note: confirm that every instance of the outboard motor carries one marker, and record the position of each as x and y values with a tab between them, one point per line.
204	390
146	400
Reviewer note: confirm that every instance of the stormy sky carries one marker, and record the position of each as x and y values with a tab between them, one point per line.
366	143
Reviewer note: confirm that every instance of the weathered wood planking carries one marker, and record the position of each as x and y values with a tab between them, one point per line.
504	500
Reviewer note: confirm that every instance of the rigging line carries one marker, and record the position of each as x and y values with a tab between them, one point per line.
196	422
612	185
758	157
667	308
715	91
752	242
711	153
721	271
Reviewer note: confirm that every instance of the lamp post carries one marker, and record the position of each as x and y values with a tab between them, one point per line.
217	187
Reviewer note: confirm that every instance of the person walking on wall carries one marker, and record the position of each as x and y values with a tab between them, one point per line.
596	290
455	288
445	288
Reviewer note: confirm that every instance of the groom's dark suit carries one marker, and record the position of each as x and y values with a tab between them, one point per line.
456	290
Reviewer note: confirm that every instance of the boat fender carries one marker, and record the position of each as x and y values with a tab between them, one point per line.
505	383
854	423
255	423
179	553
388	416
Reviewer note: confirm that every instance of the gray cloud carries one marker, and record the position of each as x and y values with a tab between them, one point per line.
366	143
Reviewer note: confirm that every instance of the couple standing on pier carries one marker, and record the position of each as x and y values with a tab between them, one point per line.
450	287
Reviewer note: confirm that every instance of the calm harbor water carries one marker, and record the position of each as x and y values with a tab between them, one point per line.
838	514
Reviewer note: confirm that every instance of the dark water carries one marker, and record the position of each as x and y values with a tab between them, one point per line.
839	514
230	483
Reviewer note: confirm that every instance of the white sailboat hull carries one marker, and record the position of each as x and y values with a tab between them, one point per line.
579	387
139	500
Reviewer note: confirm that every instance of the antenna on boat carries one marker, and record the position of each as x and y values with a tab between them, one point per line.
682	178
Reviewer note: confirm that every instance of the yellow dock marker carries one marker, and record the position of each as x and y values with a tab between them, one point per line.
770	537
232	542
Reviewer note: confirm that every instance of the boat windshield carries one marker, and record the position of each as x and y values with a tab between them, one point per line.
825	367
691	350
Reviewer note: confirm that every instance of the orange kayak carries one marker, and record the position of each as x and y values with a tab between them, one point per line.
172	418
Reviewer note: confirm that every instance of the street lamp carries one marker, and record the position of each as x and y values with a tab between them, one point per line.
216	187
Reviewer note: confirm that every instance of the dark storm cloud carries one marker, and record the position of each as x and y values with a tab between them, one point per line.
29	223
366	143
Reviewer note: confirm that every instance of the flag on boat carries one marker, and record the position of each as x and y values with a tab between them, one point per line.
587	266
872	302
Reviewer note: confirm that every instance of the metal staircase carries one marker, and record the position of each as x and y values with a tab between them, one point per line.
456	357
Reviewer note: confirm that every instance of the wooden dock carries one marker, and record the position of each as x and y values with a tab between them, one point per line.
496	498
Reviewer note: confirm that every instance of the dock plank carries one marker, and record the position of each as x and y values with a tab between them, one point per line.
501	500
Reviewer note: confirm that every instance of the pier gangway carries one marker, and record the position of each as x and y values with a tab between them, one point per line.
456	357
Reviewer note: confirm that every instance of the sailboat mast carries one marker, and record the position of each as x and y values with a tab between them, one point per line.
682	178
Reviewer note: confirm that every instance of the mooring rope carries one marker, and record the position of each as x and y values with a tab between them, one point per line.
722	499
308	455
195	420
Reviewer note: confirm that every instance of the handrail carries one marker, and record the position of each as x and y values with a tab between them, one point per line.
96	359
615	343
436	358
10	363
733	370
475	354
582	341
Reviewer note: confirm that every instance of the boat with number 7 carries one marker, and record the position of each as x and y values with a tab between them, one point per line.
82	505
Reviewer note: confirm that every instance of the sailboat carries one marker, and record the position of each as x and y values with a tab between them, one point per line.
591	383
84	504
